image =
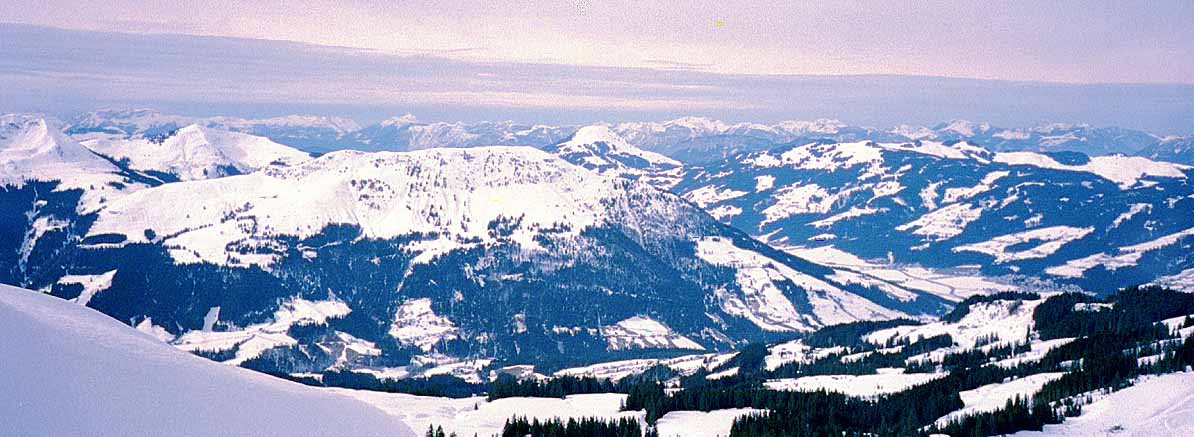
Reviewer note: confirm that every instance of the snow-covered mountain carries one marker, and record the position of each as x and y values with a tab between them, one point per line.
33	149
50	189
115	381
195	152
599	149
687	139
411	262
1101	222
126	122
698	139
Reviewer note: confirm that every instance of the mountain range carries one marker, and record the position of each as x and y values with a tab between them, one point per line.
436	260
688	139
590	246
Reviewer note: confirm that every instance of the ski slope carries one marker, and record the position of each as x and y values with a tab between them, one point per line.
71	371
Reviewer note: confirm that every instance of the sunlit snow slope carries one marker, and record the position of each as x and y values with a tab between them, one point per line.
74	371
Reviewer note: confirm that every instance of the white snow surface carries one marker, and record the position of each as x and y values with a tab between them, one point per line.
855	385
1126	171
944	223
1183	281
1008	321
709	195
1155	406
616	370
74	371
587	136
195	152
716	423
475	415
92	284
831	157
955	194
641	332
607	153
953	284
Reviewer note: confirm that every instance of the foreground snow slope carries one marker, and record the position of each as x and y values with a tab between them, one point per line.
477	416
73	371
1157	406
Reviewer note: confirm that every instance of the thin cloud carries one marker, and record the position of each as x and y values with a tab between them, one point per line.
679	65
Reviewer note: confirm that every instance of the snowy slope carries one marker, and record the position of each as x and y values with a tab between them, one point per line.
992	397
1007	321
855	385
194	152
1155	406
716	423
73	371
476	415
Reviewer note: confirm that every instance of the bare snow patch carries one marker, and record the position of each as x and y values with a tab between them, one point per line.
764	183
992	397
91	284
716	423
762	300
1050	239
855	385
642	332
944	223
415	324
1126	256
252	340
1126	171
710	194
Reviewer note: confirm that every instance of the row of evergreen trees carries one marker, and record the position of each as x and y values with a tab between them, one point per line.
507	386
589	427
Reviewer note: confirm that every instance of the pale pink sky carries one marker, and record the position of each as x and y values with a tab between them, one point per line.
1061	41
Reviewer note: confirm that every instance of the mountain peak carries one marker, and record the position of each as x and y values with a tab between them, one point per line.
820	126
403	120
701	124
30	139
35	149
197	152
597	133
600	149
963	127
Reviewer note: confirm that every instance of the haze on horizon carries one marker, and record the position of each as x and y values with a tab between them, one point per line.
1128	63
